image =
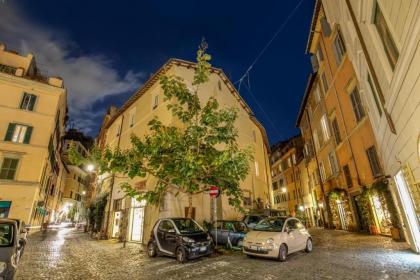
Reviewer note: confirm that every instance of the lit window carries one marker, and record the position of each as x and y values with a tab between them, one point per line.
257	171
325	130
18	133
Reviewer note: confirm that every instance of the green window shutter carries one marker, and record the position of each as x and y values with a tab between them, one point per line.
9	133
32	101
28	135
23	100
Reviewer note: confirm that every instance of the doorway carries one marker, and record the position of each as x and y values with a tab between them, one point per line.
409	210
116	224
137	220
342	215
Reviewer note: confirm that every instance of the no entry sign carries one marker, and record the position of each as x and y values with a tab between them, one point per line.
214	191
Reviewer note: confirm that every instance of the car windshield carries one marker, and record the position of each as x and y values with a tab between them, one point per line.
187	226
6	235
270	225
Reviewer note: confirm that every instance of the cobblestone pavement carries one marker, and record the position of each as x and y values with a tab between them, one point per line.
68	254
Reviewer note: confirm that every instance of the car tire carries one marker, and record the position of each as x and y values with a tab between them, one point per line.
181	255
309	245
151	250
282	253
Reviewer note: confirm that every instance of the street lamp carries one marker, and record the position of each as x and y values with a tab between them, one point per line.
301	208
83	192
90	167
321	205
283	189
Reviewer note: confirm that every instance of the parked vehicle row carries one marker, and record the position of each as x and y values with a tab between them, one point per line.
12	244
270	237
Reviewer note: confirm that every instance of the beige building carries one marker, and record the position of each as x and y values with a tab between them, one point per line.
384	39
32	118
135	219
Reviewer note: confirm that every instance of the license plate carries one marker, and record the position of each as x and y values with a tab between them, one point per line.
253	247
203	249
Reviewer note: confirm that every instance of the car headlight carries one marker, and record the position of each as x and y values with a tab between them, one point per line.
270	241
2	266
187	239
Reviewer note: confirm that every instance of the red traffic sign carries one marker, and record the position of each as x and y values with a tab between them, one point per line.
214	191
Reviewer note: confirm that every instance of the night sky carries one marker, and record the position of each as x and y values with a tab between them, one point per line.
132	39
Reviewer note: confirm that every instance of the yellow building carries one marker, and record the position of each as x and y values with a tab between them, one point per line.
291	189
134	218
32	118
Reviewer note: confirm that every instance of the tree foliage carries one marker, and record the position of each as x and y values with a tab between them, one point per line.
201	150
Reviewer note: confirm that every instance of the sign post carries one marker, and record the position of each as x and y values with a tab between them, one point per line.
214	193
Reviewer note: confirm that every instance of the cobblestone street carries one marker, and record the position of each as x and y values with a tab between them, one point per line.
68	254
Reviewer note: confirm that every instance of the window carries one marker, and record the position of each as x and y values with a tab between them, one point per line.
28	102
319	54
322	171
375	97
166	226
333	163
374	162
7	69
8	168
391	50
18	133
71	194
275	186
155	101
347	175
356	102
336	131
316	141
132	119
325	130
324	83
338	48
4	209
281	182
317	95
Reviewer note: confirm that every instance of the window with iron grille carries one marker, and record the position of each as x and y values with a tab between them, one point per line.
374	162
275	186
356	103
7	69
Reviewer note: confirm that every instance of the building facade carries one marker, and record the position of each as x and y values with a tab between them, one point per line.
33	112
383	45
133	220
290	181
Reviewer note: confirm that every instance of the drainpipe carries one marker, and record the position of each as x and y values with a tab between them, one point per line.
112	182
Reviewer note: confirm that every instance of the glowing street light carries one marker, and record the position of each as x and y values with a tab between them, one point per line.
283	189
83	192
301	208
321	205
90	167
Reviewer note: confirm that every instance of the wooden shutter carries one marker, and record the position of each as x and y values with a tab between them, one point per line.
32	101
9	133
23	100
28	134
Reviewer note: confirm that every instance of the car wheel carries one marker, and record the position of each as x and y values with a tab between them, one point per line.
181	256
309	246
282	252
151	250
240	243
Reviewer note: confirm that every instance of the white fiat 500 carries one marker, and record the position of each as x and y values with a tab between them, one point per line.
276	238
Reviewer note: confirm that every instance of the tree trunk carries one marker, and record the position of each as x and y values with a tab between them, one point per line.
190	208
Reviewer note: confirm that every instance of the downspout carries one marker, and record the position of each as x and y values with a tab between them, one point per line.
113	181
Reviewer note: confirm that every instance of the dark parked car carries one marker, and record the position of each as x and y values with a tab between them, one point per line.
10	248
229	233
182	238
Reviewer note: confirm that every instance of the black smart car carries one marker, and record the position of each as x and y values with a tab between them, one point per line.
182	238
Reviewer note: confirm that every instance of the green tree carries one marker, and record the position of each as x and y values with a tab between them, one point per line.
202	150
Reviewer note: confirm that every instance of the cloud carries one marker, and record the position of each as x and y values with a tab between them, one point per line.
88	77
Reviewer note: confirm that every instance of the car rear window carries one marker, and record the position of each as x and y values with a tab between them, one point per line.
6	235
